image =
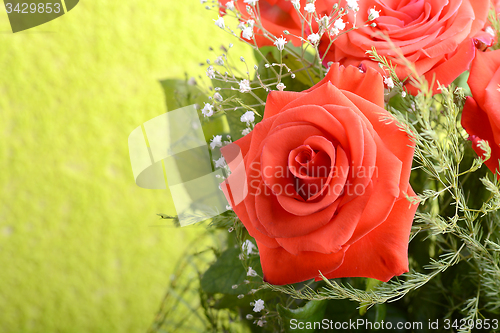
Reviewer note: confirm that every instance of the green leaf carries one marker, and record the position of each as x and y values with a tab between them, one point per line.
228	271
304	77
371	284
270	52
313	311
461	81
178	94
380	312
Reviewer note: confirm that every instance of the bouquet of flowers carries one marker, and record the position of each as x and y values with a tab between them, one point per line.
356	168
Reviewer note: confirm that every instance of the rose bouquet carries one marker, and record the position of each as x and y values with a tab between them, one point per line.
357	164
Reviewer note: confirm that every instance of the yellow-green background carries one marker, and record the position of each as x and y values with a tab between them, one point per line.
81	247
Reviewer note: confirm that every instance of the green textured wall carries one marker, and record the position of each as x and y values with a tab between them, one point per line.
81	249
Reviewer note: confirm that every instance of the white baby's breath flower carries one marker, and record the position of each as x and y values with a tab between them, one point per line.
216	141
403	94
339	24
261	322
219	61
250	2
352	5
247	33
313	38
280	86
220	163
220	22
310	8
373	14
296	4
218	97
241	25
210	72
280	43
251	23
248	247
324	22
246	131
208	110
388	82
244	86
259	305
251	272
248	117
230	5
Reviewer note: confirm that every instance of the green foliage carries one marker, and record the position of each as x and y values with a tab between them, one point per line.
227	272
311	312
179	93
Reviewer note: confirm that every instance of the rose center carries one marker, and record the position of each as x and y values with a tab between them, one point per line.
310	168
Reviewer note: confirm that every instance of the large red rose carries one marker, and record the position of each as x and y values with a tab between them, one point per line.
434	35
325	181
275	17
481	114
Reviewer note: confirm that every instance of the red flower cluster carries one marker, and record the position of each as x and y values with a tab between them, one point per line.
437	37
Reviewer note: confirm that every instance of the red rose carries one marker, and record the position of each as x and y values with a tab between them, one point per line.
481	114
275	16
434	35
325	182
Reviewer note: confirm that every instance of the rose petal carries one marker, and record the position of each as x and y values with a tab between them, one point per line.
450	69
334	189
241	212
276	101
394	138
477	124
366	85
383	253
332	236
280	267
275	151
484	64
280	223
386	186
